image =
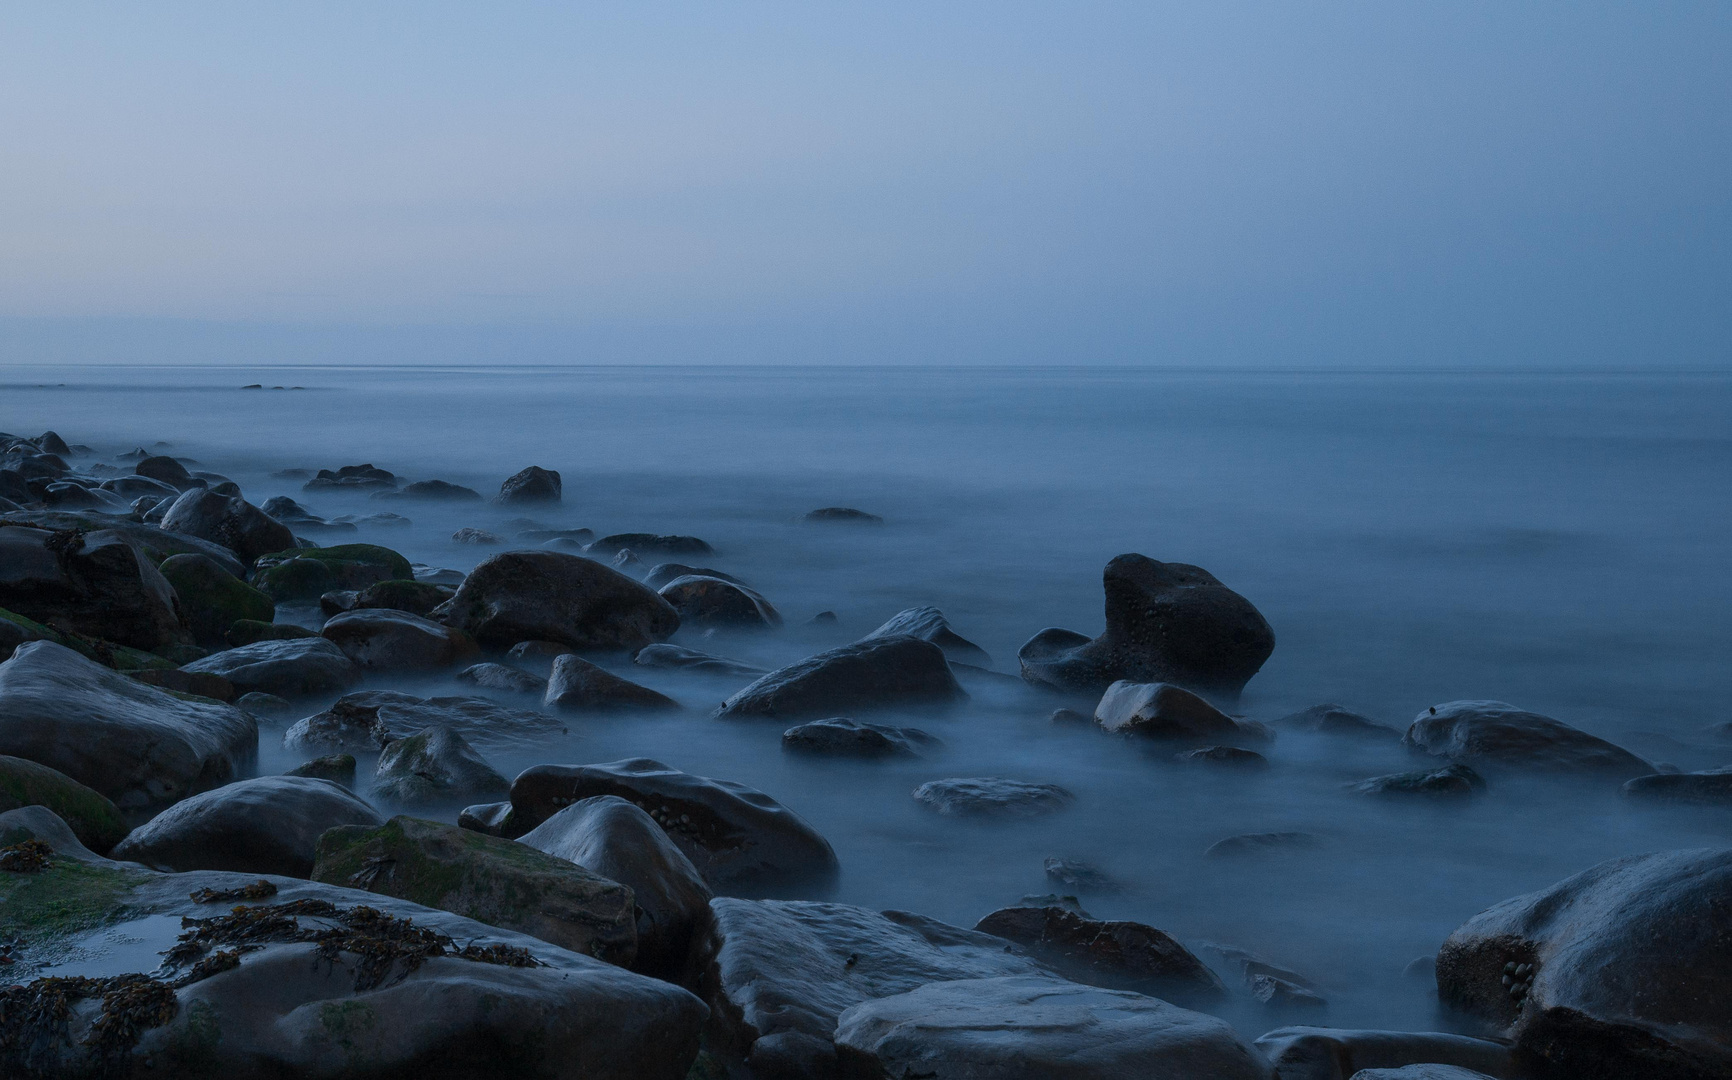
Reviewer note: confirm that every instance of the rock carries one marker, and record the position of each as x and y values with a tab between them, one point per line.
1280	995
260	704
841	737
779	974
1033	1028
433	491
1227	757
663	573
435	765
479	1001
530	651
1079	875
566	544
650	544
212	599
1422	969
1619	971
1492	735
1171	713
991	796
1318	1053
498	882
166	470
823	618
377	521
203	685
290	512
290	667
267	825
476	536
499	677
1071	717
383	639
740	839
551	596
708	601
133	487
1335	720
607	835
1712	787
843	515
626	561
1258	843
368	719
50	443
250	631
337	768
434	575
675	656
351	478
1115	955
532	485
1452	781
92	817
139	746
97	584
1166	623
228	520
928	624
415	597
335	603
494	819
577	685
1422	1072
535	532
308	573
885	673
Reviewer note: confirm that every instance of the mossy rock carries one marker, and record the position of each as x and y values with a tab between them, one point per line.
309	573
94	819
212	599
247	631
64	899
415	597
107	653
496	881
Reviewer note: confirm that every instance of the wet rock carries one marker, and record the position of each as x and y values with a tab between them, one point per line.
577	685
1422	1072
740	839
214	687
823	618
885	673
1115	955
267	825
625	561
531	486
1279	995
249	631
535	532
435	765
137	745
337	768
368	719
434	575
94	819
534	651
351	478
308	573
133	487
166	470
498	882
840	736
991	796
929	624
566	544
1225	757
335	603
289	667
1335	720
477	536
1045	900
383	639
499	677
494	819
375	521
1171	713
260	704
50	443
1450	782
433	491
228	520
663	573
1033	1028
779	974
1249	965
709	601
843	515
211	598
1079	875
1166	623
1071	717
415	597
1712	787
650	544
550	596
607	835
1620	970
95	583
1422	969
681	658
1260	843
1318	1053
1492	735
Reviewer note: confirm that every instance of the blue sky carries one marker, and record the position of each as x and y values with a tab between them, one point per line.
1284	184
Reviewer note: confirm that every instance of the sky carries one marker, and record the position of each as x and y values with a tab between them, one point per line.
1286	184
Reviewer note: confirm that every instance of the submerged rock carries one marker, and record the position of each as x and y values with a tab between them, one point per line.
929	624
415	597
580	686
677	656
477	536
267	825
1491	734
98	584
433	491
531	486
91	816
1116	955
1079	875
228	520
1712	787
1166	623
842	515
435	765
1167	712
663	573
897	672
1319	1053
1452	781
991	796
841	737
1335	720
551	596
1225	757
368	719
290	667
212	599
650	544
309	573
1260	843
710	601
384	639
490	676
337	768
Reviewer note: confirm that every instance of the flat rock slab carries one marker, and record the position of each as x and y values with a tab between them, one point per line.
992	796
886	673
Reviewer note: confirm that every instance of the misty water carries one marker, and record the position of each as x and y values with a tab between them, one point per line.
1557	541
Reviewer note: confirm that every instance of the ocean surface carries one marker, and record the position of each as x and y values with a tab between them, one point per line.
1557	541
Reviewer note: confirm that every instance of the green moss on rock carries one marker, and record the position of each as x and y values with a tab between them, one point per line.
211	598
67	898
94	819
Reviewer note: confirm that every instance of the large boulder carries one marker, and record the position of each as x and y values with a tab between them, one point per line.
267	825
1491	735
609	836
432	767
384	639
710	601
1166	623
98	584
142	747
1319	1053
576	685
305	574
212	599
1623	970
93	818
1033	1028
366	720
552	596
289	667
1173	714
929	624
740	840
498	882
1115	955
530	486
779	974
228	520
884	673
313	980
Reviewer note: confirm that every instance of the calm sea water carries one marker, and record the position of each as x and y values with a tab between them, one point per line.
1556	541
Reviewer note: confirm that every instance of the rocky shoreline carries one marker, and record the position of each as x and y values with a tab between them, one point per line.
628	919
